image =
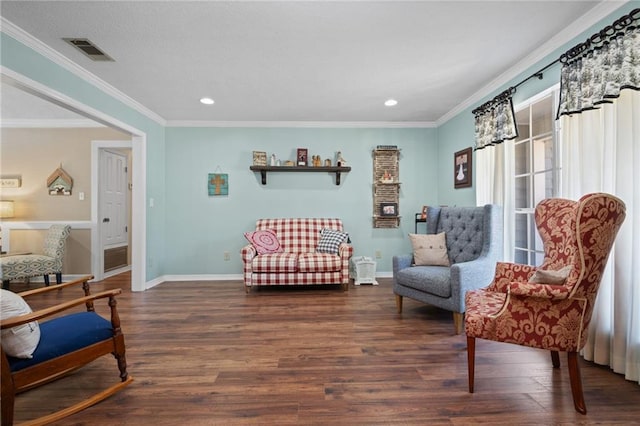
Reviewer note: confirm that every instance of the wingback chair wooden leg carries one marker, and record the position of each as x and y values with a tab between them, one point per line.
471	359
399	303
46	280
58	277
555	359
576	383
458	322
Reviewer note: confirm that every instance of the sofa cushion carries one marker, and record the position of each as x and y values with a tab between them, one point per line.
319	262
264	241
429	250
275	262
330	240
429	279
20	341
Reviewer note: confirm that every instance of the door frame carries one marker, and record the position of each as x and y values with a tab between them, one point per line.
139	172
97	246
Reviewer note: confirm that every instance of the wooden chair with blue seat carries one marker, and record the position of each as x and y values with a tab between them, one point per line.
36	351
26	266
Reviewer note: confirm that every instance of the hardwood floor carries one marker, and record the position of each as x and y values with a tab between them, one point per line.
206	353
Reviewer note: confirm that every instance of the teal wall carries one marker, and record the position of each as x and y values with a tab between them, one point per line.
200	228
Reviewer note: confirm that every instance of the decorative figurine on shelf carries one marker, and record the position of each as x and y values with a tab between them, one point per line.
317	162
327	162
386	177
273	160
340	162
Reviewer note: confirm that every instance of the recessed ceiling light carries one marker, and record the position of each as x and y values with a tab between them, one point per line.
207	101
390	102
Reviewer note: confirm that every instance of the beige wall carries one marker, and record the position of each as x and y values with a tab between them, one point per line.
34	154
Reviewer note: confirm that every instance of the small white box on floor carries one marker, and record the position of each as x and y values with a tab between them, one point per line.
365	270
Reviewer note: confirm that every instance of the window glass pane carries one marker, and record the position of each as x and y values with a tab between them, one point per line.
542	154
538	259
521	231
520	257
521	152
522	121
542	116
523	192
542	186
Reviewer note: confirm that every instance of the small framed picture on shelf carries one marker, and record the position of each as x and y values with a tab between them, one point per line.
302	157
259	158
423	215
462	168
388	209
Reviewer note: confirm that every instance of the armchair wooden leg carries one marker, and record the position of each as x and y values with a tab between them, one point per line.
576	383
458	322
399	303
58	277
46	280
471	359
555	359
5	284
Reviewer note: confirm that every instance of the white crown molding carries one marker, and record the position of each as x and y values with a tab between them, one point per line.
48	123
30	41
592	17
303	124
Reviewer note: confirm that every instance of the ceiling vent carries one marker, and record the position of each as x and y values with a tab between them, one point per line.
89	49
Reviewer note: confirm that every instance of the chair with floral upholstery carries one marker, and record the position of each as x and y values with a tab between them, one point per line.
550	307
33	265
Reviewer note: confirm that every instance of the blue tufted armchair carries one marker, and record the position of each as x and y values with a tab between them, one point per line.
474	243
33	265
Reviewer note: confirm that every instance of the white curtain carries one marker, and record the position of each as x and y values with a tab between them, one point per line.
601	152
495	185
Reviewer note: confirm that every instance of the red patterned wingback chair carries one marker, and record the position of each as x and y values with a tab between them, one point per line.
550	306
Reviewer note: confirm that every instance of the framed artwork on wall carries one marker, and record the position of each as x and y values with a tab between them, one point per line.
302	156
218	184
462	168
388	209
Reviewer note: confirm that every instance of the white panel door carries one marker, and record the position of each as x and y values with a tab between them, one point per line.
113	199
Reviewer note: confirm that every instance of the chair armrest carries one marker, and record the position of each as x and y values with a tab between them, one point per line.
400	262
52	310
247	253
41	290
506	273
471	275
345	250
543	291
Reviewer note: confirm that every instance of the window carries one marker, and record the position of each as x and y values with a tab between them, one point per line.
536	171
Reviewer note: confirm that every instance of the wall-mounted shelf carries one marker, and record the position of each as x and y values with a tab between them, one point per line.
386	166
299	169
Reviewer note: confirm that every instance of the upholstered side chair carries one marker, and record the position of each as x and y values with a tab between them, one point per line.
549	307
473	237
34	265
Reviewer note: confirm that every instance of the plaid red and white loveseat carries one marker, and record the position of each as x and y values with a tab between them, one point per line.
295	252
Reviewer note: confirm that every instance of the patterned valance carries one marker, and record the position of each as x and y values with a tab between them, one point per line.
594	72
495	120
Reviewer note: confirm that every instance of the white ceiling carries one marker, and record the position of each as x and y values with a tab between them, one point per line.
305	61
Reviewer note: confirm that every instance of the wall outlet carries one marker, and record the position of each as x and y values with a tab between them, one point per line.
227	256
378	254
